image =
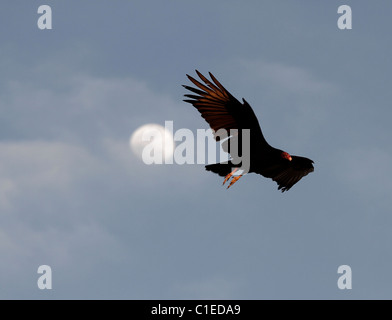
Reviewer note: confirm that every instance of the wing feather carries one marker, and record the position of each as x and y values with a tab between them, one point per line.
221	110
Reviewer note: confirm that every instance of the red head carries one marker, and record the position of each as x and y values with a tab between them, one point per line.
285	155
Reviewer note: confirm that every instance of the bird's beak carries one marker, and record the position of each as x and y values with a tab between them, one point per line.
290	158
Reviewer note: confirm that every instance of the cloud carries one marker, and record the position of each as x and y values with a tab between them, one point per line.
79	108
41	222
31	167
78	209
51	212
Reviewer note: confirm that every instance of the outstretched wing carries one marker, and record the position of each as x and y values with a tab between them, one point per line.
288	173
221	110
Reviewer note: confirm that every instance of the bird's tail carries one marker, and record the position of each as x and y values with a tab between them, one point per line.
222	169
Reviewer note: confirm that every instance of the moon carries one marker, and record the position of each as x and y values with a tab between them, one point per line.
151	133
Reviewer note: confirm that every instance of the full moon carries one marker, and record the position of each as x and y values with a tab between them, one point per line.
155	134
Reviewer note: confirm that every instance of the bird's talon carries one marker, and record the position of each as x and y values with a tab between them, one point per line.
229	176
234	180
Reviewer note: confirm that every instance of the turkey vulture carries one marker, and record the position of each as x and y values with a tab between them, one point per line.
222	111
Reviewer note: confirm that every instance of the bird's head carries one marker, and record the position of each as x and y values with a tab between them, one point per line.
285	155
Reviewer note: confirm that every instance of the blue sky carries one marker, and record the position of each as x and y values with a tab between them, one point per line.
73	196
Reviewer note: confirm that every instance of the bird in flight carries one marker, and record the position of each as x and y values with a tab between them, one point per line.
221	110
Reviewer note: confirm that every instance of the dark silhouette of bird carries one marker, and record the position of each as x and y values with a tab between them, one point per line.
225	114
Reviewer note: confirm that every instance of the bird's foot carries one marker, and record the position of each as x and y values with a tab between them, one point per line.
229	176
233	180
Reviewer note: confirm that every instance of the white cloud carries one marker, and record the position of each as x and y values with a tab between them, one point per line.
51	195
41	165
81	107
58	135
44	212
8	190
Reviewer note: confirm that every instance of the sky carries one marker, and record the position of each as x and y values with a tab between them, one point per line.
73	195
